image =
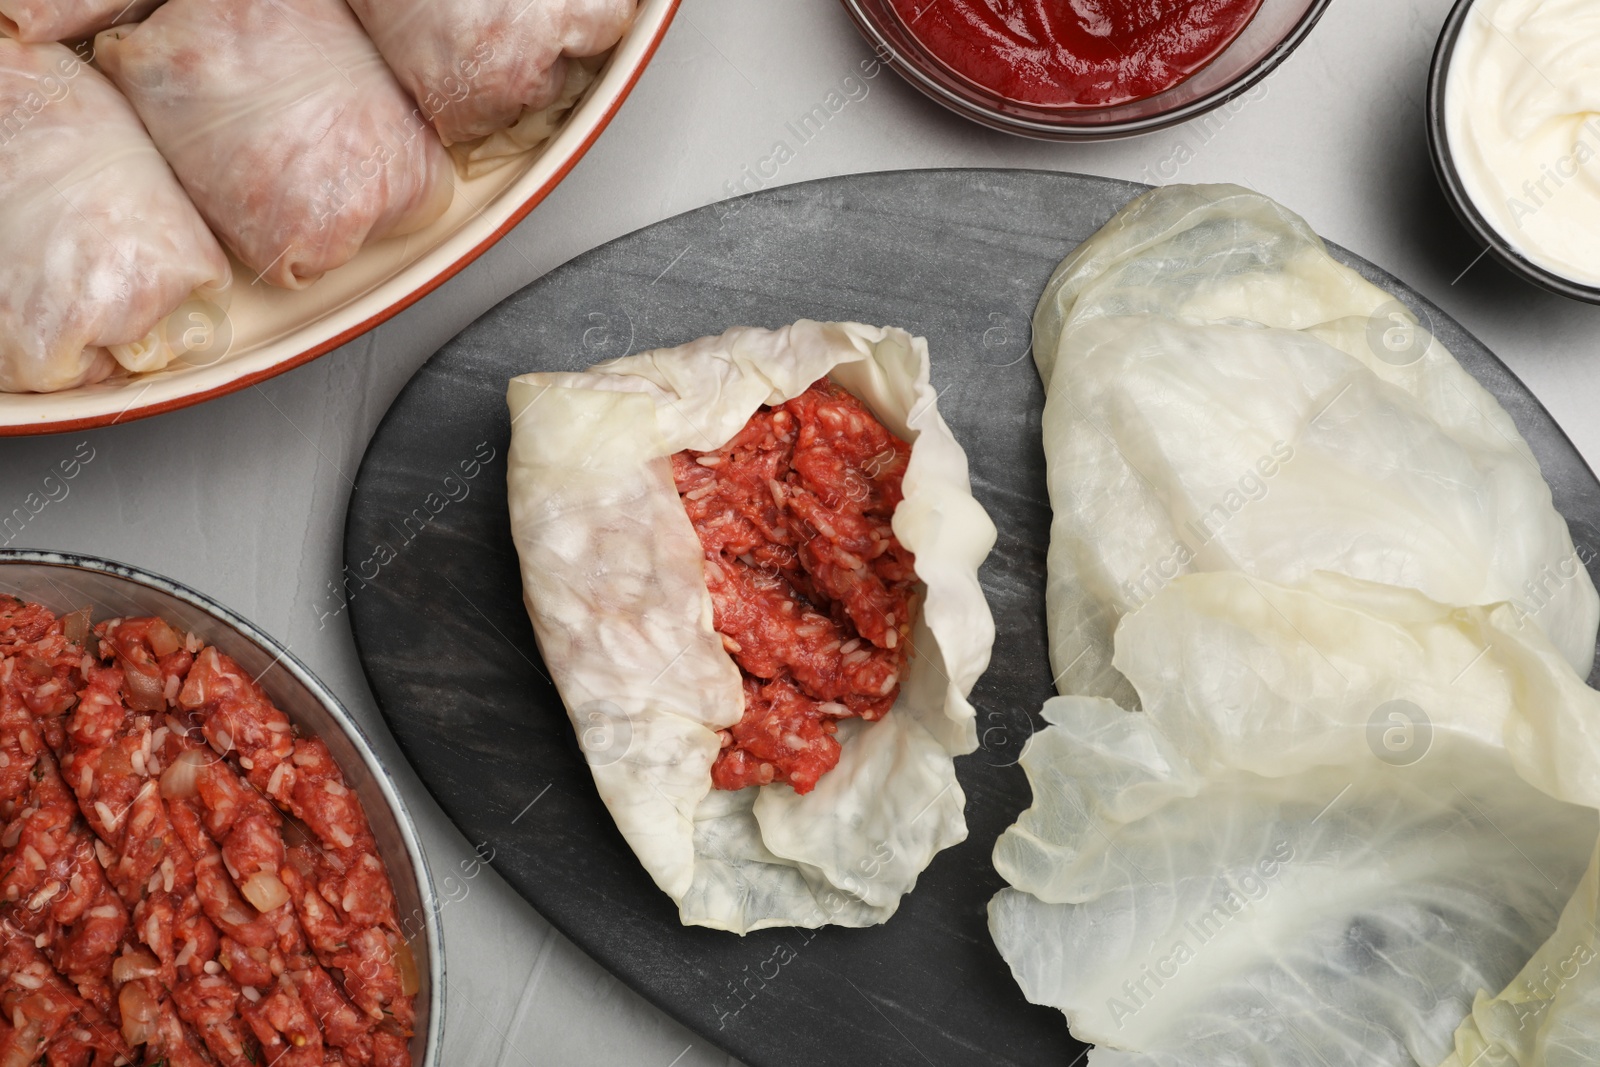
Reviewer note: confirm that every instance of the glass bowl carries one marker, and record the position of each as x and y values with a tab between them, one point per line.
63	583
1455	190
1276	30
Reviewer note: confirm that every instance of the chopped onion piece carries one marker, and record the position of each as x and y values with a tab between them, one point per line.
139	1013
406	964
75	626
236	914
183	777
163	642
135	963
264	891
145	692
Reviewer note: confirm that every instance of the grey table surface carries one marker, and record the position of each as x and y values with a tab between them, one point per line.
244	497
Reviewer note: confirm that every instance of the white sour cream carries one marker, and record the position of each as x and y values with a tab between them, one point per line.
1522	115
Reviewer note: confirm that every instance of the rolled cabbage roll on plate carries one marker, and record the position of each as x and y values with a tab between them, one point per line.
65	20
475	66
98	243
282	121
265	330
751	566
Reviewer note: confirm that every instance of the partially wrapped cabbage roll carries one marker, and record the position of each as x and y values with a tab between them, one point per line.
474	66
1221	394
67	20
1344	811
619	584
98	243
281	120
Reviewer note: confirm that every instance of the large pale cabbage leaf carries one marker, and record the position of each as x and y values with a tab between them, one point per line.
1221	394
612	577
1344	811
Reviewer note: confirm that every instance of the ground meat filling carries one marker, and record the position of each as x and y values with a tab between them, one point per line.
810	588
184	879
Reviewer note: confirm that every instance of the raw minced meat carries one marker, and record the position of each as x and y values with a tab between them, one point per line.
184	878
811	590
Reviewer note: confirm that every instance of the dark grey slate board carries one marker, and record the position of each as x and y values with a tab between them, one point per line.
958	256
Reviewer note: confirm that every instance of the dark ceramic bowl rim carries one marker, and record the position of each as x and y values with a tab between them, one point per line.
433	1040
911	70
1461	202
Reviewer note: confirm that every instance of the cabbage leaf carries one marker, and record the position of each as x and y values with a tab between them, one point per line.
1343	812
1221	394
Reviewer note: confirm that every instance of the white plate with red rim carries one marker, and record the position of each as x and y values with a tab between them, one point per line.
267	331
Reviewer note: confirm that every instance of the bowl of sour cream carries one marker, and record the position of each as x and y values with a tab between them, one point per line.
1514	132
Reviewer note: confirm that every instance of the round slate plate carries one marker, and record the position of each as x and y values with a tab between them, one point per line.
435	602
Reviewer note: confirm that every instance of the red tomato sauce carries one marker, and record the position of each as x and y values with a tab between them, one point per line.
810	588
189	881
1076	53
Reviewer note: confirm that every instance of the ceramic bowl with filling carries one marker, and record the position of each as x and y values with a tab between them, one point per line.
63	583
1446	168
1276	29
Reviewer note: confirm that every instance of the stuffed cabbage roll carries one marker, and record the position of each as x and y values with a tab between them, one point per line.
66	20
1344	812
1221	394
532	129
475	65
688	580
98	243
281	120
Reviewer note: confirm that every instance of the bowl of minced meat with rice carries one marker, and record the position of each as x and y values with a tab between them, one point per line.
202	860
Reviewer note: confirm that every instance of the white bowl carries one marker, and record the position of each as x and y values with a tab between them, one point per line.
64	583
274	330
1457	194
